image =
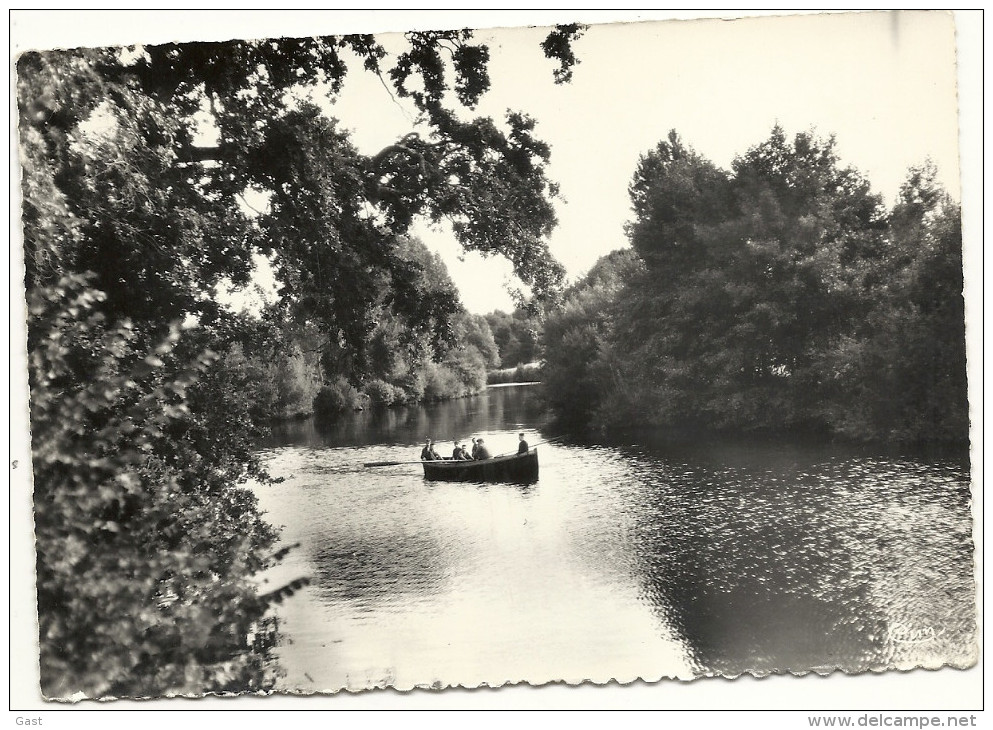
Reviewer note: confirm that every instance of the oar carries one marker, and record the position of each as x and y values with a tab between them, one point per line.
531	446
389	463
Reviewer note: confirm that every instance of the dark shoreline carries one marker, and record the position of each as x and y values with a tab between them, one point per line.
681	437
959	450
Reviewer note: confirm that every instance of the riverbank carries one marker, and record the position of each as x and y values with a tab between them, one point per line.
339	403
339	397
524	373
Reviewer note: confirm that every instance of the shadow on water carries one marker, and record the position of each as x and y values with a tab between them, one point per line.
764	450
749	577
777	557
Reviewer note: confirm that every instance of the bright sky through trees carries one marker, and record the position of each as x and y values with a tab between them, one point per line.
883	83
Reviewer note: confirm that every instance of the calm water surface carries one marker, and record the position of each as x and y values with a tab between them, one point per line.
635	559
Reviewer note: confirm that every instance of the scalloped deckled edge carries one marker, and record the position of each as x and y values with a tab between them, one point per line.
437	686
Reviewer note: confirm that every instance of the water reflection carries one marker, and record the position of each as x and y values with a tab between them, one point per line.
783	559
640	558
495	411
753	574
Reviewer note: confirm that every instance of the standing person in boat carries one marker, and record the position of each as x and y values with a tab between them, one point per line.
482	452
428	452
522	446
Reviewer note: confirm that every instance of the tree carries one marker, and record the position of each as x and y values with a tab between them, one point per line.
104	193
575	339
901	373
747	271
490	182
141	437
516	335
777	295
476	332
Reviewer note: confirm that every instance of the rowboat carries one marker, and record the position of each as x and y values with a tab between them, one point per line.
517	469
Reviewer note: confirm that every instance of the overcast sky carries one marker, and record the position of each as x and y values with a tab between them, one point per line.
883	83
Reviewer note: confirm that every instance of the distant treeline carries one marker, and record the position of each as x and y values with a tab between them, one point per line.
523	373
305	372
517	336
781	295
301	379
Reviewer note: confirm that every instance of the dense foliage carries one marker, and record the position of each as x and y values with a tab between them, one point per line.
576	337
517	335
434	351
143	538
778	295
148	396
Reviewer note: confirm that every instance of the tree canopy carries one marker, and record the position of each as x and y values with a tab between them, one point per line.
155	103
779	294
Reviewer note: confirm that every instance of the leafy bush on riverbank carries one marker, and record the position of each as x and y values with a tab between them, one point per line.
462	373
381	393
145	536
337	397
398	361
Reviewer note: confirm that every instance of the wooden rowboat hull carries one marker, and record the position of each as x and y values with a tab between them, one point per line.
516	469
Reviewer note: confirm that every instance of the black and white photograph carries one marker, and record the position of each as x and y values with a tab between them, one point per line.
490	357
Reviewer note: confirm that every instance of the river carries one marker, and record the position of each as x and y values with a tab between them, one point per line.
635	559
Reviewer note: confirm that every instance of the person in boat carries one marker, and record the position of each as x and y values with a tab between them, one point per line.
428	453
475	449
459	453
522	445
482	452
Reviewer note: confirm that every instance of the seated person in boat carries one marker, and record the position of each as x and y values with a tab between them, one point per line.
475	449
459	453
482	452
428	453
522	446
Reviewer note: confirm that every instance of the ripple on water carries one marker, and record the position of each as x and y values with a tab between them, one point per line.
633	560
